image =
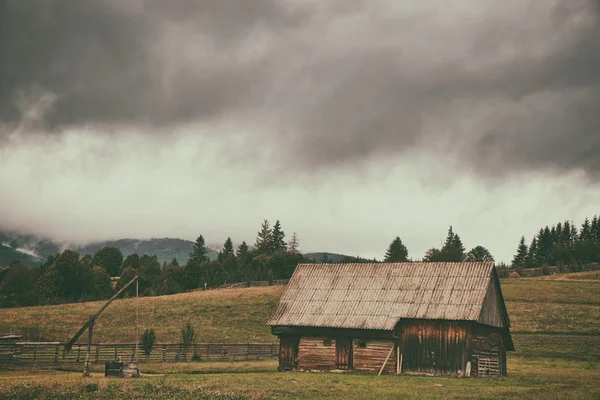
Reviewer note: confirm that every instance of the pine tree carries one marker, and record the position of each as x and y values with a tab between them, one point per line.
449	238
595	230
227	250
532	254
263	239
396	251
242	251
520	259
294	243
278	238
199	251
585	235
453	250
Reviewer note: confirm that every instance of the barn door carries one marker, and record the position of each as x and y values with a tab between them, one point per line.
288	353
343	353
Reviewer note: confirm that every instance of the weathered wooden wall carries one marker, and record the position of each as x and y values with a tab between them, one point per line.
488	354
314	355
434	348
491	312
371	358
288	352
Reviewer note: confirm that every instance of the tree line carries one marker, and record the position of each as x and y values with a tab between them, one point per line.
68	277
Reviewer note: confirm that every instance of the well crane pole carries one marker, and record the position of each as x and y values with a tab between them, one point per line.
90	327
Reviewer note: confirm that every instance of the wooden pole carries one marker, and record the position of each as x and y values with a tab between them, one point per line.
86	365
386	360
398	365
137	313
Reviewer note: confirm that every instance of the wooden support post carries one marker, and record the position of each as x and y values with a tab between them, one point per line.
398	365
86	365
386	360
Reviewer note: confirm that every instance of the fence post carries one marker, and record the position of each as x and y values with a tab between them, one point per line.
35	352
56	354
97	353
247	351
164	353
116	354
78	353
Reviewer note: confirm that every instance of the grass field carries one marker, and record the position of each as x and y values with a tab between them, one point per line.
555	324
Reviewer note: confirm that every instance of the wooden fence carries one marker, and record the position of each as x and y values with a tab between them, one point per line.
54	353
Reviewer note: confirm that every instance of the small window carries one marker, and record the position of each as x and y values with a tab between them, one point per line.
361	344
327	342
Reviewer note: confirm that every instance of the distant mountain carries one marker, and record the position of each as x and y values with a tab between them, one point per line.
33	250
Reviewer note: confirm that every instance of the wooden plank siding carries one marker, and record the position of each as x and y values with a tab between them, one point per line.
435	347
488	354
316	354
371	357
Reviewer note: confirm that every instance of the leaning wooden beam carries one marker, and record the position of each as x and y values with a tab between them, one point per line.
386	359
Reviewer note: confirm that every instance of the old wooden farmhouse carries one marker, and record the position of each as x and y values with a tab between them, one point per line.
409	318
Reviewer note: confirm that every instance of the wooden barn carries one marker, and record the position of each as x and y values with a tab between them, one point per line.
409	318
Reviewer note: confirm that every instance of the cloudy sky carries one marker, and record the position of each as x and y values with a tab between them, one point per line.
350	121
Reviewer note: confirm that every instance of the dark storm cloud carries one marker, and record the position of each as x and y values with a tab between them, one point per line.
503	85
106	62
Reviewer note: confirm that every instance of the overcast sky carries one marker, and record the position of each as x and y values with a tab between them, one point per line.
350	121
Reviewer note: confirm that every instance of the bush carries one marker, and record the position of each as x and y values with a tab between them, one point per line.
545	270
148	340
188	337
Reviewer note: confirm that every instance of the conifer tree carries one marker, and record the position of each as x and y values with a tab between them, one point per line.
278	238
263	239
294	243
453	250
595	229
585	234
242	251
520	259
199	251
227	250
532	254
396	251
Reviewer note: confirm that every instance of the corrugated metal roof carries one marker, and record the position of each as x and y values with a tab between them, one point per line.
378	295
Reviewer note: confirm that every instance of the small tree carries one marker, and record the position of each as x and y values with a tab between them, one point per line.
199	251
520	258
188	337
479	254
396	252
263	238
294	243
148	340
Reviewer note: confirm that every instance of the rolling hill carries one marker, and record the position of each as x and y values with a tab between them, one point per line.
33	250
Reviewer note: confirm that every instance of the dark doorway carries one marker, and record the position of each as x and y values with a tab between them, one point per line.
343	353
288	353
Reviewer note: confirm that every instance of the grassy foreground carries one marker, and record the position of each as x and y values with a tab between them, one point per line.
555	327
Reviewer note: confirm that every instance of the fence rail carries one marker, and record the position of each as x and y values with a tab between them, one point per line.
54	353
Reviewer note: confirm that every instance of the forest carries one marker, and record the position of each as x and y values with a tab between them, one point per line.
70	277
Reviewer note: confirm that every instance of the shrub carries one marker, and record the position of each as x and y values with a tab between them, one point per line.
188	337
545	270
148	340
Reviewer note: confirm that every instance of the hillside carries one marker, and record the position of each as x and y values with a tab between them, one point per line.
555	318
33	250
